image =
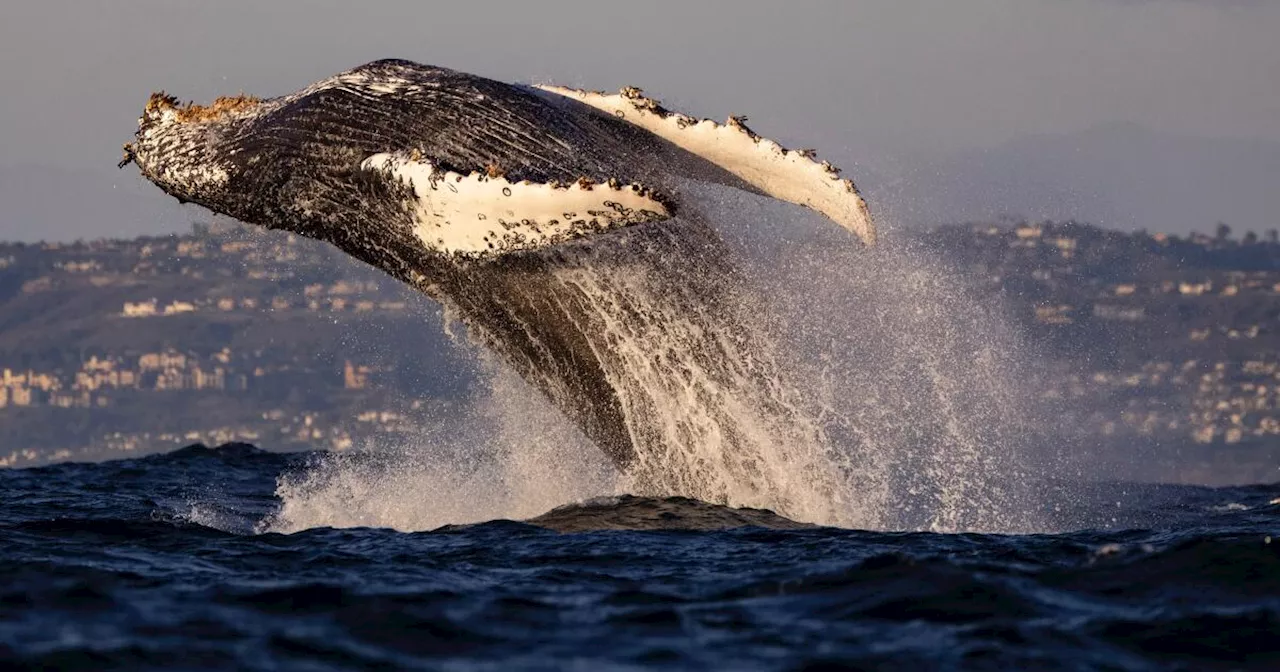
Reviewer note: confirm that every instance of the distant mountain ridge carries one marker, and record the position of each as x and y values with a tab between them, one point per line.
1121	176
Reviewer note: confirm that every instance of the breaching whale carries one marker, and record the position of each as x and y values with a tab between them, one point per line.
511	205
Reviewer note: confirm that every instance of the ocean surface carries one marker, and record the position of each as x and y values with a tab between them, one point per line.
161	563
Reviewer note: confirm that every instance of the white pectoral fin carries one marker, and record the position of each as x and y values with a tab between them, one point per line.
794	176
481	215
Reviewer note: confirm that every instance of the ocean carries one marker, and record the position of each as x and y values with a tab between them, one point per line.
167	562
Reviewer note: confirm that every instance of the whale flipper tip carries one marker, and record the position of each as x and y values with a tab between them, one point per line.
792	175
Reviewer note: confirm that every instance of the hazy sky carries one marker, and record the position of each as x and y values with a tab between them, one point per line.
877	86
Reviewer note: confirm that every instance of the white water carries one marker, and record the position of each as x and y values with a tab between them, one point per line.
916	380
862	388
508	454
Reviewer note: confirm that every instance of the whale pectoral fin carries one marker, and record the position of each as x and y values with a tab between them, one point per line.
483	215
790	175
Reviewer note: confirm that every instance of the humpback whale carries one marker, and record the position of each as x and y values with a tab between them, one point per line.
535	214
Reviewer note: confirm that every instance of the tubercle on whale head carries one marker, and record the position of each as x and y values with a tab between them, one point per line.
161	104
177	146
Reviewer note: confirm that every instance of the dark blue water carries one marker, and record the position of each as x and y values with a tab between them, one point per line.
103	566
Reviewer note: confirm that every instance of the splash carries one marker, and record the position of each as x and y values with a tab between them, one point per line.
790	370
506	454
704	398
915	379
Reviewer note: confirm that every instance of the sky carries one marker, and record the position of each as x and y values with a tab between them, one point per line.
933	106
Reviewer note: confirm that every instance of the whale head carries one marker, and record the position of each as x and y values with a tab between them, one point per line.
183	149
214	156
258	162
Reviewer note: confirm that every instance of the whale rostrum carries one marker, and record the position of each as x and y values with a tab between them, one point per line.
493	198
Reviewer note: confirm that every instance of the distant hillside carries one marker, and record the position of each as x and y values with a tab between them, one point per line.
234	333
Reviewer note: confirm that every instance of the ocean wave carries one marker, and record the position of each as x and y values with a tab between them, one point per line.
137	564
628	512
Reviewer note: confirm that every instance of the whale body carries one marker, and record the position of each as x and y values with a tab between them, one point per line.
535	214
